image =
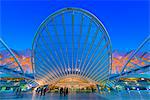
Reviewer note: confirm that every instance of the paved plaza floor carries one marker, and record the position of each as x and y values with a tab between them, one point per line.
124	95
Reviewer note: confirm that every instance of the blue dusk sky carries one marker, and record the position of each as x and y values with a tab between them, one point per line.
127	21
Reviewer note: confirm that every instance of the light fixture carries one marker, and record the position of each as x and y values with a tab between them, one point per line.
138	89
142	78
133	87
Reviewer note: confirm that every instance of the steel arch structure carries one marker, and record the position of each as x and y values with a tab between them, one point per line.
8	61
71	42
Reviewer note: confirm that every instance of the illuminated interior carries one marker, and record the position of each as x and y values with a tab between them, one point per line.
74	83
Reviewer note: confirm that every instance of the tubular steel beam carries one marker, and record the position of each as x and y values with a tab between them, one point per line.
139	48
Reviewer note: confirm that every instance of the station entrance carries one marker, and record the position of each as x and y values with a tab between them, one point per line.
74	85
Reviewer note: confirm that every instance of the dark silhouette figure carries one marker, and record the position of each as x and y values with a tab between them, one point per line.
92	90
41	91
61	91
67	91
38	90
44	90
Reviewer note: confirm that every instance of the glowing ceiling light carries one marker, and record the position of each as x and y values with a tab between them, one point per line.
142	78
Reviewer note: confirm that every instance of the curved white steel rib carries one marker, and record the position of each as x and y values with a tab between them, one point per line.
145	42
5	48
71	42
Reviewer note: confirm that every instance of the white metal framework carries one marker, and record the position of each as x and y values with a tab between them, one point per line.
71	42
138	62
142	55
8	61
10	64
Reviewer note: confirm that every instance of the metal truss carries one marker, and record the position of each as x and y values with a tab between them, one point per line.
8	58
138	62
144	48
9	63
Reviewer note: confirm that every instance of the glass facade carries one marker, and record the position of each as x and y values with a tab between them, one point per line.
71	42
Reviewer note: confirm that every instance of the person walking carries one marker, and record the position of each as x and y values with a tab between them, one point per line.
61	91
44	90
65	91
41	90
38	90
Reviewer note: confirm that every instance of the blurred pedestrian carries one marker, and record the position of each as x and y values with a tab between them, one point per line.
65	91
61	91
44	90
41	90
